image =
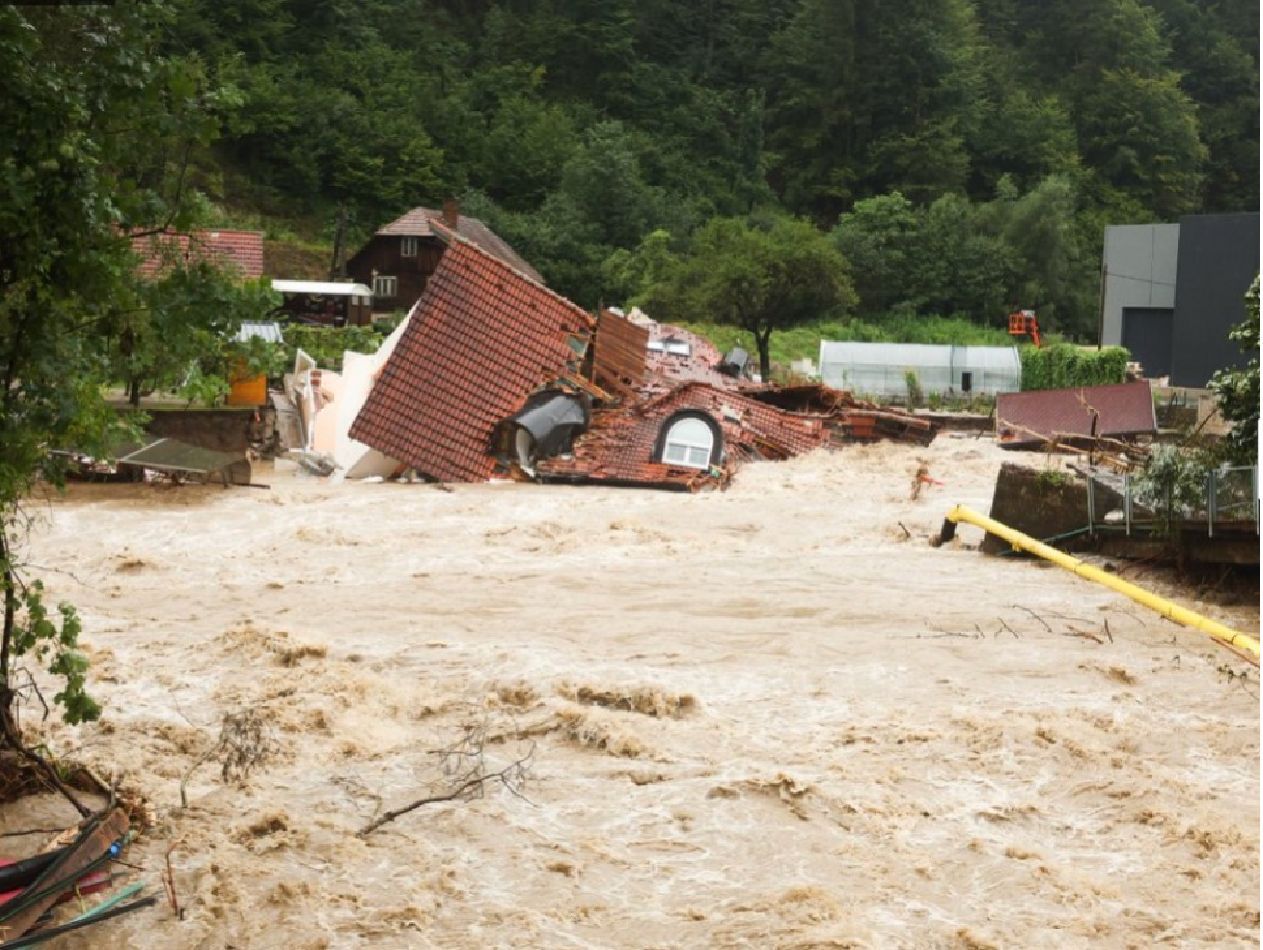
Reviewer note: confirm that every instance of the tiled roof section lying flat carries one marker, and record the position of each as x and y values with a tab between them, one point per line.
618	448
1039	416
481	339
418	223
241	251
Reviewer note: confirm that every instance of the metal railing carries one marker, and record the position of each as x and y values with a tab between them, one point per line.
1230	496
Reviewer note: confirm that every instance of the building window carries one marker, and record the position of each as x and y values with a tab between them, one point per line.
671	345
408	247
385	287
688	442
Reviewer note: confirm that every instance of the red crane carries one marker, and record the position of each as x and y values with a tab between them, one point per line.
1024	323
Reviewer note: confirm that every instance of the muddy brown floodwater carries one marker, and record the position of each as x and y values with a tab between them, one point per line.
768	717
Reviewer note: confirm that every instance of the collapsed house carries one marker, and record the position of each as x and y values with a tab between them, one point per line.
494	375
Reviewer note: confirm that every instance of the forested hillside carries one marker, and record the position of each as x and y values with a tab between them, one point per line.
963	155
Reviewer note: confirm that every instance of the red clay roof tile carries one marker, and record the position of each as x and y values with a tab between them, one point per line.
481	339
240	250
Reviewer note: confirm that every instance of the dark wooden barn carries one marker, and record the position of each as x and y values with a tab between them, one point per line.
399	259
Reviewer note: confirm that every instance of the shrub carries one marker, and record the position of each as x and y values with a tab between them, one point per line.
1062	365
325	345
915	396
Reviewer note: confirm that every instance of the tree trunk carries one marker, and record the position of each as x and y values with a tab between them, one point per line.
10	614
764	342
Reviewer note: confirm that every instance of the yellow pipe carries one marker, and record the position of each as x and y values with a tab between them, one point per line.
1168	609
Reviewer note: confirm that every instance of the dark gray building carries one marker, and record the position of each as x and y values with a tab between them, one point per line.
1172	292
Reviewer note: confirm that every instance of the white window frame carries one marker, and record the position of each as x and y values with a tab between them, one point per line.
408	246
686	446
385	286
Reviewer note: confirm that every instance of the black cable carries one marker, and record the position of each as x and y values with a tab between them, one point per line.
42	886
33	939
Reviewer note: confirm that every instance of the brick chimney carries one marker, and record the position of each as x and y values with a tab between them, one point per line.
451	213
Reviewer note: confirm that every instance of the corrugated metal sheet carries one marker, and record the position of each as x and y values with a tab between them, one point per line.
1033	418
171	455
881	369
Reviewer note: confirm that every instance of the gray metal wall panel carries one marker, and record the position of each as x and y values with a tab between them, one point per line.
1140	265
1219	257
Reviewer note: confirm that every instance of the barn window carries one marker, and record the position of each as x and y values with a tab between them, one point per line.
689	441
385	286
408	247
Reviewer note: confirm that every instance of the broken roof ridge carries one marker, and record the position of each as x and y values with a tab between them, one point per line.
447	235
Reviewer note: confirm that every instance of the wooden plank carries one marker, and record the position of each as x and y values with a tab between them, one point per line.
67	871
619	351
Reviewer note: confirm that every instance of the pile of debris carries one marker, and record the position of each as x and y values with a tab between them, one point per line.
33	890
492	375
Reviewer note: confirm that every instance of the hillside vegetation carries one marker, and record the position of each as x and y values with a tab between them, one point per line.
962	155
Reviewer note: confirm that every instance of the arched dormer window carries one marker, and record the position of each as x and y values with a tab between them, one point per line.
690	439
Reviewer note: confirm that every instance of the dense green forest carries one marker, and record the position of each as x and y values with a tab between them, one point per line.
961	155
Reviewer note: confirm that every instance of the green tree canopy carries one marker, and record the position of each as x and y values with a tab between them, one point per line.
96	131
1238	389
761	274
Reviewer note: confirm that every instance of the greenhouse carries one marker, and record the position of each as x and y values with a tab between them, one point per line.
883	369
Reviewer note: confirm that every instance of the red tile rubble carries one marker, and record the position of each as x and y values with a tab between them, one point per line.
240	251
1033	419
485	338
619	447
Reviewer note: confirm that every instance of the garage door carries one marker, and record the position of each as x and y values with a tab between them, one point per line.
1147	334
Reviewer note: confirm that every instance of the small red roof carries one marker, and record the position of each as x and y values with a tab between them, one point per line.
481	339
1041	415
241	250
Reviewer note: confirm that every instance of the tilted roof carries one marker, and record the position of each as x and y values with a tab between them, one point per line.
241	251
1041	415
418	223
481	339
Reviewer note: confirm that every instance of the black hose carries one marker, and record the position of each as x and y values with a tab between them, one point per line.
21	873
